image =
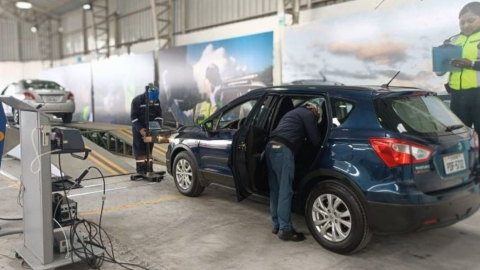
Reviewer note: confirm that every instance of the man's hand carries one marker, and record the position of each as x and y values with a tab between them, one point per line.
143	131
461	63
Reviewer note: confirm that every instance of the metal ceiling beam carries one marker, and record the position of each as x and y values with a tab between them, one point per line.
162	16
101	27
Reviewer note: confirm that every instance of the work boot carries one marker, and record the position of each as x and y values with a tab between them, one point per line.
291	236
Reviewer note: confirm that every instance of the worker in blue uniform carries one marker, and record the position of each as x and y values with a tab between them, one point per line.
139	125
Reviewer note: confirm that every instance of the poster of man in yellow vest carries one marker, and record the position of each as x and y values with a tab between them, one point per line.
196	80
464	82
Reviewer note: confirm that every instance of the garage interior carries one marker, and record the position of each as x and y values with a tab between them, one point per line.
106	52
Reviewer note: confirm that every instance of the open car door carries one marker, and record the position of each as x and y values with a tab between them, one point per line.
248	145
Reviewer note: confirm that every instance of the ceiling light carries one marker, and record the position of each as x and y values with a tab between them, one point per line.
23	5
34	29
60	29
87	6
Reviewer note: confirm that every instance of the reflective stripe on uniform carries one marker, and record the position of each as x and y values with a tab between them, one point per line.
135	120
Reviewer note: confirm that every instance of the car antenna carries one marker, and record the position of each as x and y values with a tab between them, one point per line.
388	84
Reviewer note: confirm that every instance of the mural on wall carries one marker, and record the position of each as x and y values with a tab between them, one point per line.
78	80
196	80
370	47
116	81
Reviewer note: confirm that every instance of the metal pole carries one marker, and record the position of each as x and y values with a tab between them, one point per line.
85	32
309	4
278	42
19	33
156	40
107	27
184	16
296	11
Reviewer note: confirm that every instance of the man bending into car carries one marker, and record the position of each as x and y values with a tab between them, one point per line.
285	141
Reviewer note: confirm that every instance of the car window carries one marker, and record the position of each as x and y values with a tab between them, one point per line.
10	90
39	85
416	115
232	118
261	118
341	111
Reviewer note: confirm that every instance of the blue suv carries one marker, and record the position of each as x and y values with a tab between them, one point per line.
393	160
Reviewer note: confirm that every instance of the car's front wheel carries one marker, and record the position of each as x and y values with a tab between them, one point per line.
185	176
336	218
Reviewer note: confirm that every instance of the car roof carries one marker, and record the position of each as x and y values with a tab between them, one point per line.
339	89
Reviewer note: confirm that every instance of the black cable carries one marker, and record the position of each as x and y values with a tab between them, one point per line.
11	219
96	238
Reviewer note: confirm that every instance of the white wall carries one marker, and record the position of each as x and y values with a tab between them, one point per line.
15	71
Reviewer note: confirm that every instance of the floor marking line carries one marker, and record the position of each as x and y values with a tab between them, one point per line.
96	161
115	166
9	178
133	205
106	190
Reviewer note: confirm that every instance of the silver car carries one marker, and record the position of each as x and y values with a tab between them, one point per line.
47	96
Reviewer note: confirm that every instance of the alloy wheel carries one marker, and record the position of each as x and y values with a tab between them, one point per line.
332	218
184	174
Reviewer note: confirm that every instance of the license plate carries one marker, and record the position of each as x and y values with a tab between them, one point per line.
52	98
454	163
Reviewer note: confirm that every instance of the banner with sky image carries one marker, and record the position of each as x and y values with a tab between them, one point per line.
370	47
117	81
78	80
215	72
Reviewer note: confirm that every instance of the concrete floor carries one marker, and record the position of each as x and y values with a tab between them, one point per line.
154	226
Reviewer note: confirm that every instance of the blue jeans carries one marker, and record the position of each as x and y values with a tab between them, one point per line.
281	167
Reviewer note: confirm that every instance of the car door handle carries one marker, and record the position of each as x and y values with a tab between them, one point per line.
242	146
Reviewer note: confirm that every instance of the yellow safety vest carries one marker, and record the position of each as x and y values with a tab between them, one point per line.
202	112
466	78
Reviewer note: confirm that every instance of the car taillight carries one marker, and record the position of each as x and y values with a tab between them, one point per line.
70	96
396	152
28	96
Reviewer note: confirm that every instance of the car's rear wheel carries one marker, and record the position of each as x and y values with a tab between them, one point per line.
67	118
336	218
185	175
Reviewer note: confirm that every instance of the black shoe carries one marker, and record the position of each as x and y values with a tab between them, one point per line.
275	230
291	236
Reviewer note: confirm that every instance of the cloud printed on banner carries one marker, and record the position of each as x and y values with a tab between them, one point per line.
383	53
369	47
226	64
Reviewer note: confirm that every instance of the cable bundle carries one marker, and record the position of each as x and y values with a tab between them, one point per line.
96	236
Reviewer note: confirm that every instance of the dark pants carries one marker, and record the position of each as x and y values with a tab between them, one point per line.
281	168
140	152
466	105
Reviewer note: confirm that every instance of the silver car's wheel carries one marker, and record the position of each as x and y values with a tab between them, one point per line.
184	174
332	218
16	116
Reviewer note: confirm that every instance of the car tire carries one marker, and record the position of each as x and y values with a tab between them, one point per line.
16	116
333	205
67	118
185	175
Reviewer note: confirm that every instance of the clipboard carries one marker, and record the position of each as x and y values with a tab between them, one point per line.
442	56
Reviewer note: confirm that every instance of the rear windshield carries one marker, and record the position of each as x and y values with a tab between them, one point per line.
417	115
38	85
